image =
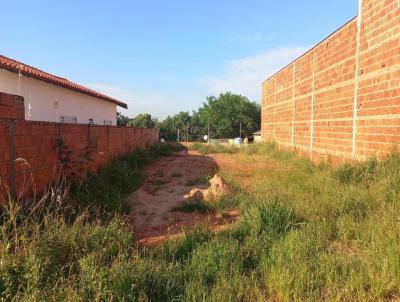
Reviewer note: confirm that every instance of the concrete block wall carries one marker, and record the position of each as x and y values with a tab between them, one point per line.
30	149
341	99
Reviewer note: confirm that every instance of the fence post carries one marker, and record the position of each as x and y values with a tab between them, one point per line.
11	160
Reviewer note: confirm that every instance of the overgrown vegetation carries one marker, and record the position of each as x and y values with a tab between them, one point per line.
194	206
228	115
204	180
308	232
104	190
205	149
70	244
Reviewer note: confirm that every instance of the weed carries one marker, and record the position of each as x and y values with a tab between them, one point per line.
307	233
259	149
358	172
193	206
164	149
106	189
205	149
203	180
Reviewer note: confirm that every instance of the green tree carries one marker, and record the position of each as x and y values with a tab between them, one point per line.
143	120
226	116
122	120
171	124
229	115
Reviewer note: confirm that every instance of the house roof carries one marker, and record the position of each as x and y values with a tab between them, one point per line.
29	71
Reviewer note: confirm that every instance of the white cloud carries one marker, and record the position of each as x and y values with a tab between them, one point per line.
251	38
245	75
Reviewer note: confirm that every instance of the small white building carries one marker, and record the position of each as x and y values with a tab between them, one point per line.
257	137
54	99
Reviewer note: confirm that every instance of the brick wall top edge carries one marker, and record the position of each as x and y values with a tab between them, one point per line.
353	20
6	120
9	94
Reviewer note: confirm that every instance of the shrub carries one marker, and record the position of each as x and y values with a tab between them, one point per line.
271	219
358	172
306	233
194	206
205	149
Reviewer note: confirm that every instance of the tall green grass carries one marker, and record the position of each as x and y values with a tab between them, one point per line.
105	189
307	232
73	243
205	149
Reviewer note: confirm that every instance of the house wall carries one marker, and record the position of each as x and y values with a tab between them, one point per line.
342	98
47	102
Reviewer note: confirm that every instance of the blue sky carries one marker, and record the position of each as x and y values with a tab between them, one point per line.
163	57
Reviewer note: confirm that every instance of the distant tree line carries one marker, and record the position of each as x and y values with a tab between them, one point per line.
226	116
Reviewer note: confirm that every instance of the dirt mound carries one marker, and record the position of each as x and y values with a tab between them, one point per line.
167	181
195	194
217	189
140	197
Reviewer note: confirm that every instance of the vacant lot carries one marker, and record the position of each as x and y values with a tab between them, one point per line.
306	232
172	198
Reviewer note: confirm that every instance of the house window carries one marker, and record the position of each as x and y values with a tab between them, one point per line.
108	122
68	119
91	121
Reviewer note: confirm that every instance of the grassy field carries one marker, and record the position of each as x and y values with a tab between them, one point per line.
205	149
307	232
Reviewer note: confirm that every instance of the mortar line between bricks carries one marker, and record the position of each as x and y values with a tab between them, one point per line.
293	101
356	79
274	110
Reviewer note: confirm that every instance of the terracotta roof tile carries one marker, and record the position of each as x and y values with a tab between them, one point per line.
29	71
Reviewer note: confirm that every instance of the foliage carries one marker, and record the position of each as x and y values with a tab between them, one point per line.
227	114
205	149
105	189
72	243
122	120
307	232
144	120
221	116
358	172
194	206
170	125
75	163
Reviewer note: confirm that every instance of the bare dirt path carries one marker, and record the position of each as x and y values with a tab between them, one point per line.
168	182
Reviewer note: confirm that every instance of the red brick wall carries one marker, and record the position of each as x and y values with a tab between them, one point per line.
12	106
309	105
39	144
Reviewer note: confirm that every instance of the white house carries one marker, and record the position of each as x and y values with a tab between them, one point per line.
54	99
